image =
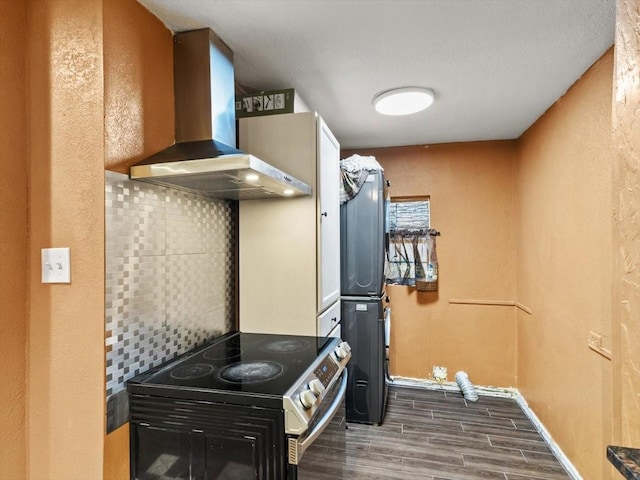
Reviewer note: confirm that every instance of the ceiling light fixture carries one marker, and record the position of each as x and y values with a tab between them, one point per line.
403	101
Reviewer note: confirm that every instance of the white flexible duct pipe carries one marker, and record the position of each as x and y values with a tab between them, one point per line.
468	390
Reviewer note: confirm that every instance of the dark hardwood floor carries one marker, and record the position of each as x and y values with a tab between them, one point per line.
434	435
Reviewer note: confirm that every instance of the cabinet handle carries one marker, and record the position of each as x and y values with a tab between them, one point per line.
324	214
334	319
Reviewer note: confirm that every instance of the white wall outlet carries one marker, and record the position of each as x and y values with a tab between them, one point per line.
440	374
56	265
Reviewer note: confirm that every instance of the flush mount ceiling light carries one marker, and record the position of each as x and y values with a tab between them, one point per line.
403	101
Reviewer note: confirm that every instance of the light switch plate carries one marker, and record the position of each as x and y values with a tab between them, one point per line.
56	265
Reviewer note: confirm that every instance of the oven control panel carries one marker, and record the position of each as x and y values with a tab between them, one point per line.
325	372
305	399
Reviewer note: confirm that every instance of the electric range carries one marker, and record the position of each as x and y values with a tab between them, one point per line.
244	406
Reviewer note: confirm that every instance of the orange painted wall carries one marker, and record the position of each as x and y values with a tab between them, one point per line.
71	115
139	121
66	209
525	221
13	238
626	232
565	268
139	106
473	204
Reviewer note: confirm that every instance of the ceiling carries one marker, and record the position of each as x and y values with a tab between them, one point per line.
496	65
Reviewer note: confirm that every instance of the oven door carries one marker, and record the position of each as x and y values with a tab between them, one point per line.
297	446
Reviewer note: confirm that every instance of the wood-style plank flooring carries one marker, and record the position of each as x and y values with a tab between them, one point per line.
434	435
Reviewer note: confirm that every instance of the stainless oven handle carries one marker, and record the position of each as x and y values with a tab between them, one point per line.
298	447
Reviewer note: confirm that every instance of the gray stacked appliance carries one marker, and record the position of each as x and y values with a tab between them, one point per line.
365	314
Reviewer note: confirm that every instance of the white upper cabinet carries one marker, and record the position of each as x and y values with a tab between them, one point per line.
289	249
329	215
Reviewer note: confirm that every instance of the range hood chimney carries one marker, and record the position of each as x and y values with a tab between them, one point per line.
204	158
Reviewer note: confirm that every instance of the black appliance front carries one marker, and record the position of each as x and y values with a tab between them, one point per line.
217	411
363	327
363	239
197	440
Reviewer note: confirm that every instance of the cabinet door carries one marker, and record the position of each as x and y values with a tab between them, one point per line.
329	320
329	217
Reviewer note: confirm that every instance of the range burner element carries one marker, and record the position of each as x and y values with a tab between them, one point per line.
256	407
251	372
264	365
191	372
285	346
222	352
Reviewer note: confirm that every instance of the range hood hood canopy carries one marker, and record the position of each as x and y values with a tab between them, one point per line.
204	158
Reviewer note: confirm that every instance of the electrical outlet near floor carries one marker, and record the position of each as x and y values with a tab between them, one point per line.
596	343
440	374
595	340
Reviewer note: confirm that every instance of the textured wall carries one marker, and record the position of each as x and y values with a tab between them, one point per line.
564	268
66	209
626	203
473	205
139	120
13	238
139	111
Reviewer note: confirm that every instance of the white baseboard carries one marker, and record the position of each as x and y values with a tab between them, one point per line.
557	451
497	392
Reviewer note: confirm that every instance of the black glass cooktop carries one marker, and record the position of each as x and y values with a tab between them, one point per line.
235	365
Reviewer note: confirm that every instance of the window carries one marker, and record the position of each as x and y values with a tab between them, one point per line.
412	256
410	213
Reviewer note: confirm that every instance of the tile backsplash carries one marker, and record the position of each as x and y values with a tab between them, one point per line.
169	278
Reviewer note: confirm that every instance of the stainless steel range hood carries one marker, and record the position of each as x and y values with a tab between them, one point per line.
204	158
